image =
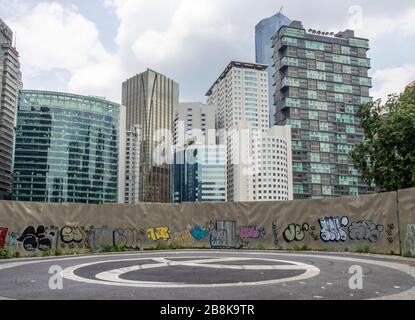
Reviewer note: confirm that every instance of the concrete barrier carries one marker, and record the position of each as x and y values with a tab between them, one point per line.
379	223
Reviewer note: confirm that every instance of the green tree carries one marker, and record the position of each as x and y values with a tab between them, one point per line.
387	155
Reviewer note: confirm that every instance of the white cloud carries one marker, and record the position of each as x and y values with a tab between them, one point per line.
374	26
392	80
53	36
188	40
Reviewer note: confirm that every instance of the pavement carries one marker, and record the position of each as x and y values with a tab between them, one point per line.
208	275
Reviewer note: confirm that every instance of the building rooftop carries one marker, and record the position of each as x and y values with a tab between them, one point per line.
238	64
322	35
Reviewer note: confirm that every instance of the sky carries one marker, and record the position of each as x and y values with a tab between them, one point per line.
90	47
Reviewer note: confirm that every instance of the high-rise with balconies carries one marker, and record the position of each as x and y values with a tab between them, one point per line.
321	81
10	84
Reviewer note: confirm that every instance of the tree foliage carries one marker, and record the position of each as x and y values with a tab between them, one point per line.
387	155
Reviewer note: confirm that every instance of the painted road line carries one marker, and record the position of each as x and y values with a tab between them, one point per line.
112	277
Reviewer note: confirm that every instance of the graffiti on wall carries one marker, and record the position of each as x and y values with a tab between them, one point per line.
158	233
333	229
295	232
75	237
224	235
389	231
3	235
100	237
410	239
247	234
365	230
183	237
275	232
129	239
251	232
37	238
199	233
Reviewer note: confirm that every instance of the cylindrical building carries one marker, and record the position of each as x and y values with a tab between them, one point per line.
69	149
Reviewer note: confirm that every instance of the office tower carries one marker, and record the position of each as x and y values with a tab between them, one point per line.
132	167
193	120
240	96
199	174
272	158
199	168
321	80
69	149
10	84
264	52
151	99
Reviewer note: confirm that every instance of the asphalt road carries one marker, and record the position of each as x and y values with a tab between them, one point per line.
207	275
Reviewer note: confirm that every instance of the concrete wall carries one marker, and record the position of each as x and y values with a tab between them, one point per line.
372	223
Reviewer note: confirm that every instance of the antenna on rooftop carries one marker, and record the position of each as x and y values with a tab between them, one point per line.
279	12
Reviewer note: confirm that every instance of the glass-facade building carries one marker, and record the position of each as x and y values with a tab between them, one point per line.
199	174
150	99
321	80
264	52
68	149
10	84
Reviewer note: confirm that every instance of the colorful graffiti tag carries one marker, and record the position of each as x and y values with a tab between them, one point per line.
333	229
159	233
334	232
410	239
3	234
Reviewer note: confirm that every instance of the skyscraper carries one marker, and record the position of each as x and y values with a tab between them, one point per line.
151	99
69	149
321	80
240	96
132	167
199	170
10	84
264	32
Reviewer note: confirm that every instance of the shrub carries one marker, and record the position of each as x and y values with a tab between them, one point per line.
107	249
408	254
365	249
261	246
58	252
5	254
162	246
175	246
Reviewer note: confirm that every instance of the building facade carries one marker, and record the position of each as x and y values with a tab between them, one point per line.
193	121
272	158
199	163
240	97
264	52
151	99
69	149
10	84
199	174
321	80
132	167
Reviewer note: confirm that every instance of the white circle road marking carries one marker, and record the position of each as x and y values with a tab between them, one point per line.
400	264
112	277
